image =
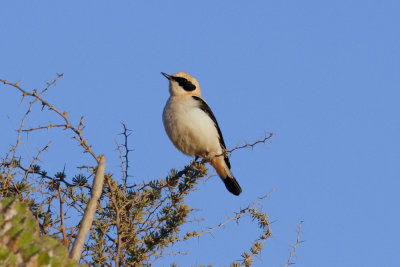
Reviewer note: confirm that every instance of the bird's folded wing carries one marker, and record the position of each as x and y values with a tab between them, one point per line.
204	107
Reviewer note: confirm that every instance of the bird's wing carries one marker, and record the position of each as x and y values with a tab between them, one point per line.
204	107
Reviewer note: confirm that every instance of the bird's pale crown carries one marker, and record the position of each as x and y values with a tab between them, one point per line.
182	83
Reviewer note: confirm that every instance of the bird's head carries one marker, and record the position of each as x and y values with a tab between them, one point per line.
182	83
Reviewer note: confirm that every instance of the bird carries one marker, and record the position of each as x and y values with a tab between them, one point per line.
193	129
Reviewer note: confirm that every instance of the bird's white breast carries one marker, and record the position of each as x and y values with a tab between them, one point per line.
190	129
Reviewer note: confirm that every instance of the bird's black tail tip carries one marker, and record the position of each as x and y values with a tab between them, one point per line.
232	185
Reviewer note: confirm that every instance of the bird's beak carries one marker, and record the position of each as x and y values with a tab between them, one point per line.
166	75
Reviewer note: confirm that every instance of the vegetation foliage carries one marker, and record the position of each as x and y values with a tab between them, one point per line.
133	224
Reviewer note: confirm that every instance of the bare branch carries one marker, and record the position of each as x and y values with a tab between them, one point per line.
251	145
64	115
87	220
238	215
124	155
62	226
292	250
267	137
34	160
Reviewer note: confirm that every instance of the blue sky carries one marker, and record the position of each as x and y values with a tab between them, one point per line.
322	75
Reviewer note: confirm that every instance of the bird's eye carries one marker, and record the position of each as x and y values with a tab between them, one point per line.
185	84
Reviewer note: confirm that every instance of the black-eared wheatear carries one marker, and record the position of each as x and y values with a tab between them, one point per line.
193	128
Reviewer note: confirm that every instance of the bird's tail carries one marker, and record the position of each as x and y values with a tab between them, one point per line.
226	175
232	185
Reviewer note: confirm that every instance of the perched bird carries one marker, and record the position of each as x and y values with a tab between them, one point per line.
193	129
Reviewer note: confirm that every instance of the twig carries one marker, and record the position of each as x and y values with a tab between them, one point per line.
29	170
126	133
293	247
247	145
251	145
236	217
64	233
38	96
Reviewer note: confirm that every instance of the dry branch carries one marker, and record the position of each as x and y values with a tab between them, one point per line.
292	250
87	220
